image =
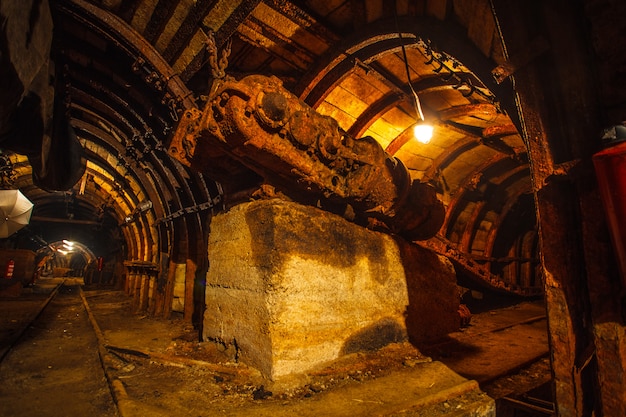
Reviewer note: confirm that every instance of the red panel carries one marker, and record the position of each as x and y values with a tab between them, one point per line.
610	165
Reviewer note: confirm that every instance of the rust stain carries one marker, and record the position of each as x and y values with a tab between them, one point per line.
258	123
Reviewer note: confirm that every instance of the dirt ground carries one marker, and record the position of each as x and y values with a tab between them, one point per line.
159	368
54	369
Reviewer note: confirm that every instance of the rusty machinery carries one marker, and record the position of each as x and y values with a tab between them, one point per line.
255	124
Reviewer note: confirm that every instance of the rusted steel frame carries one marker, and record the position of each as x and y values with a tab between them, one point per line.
102	84
195	249
160	204
119	32
166	189
293	54
200	254
492	137
190	280
374	111
222	34
504	259
343	66
428	83
171	180
469	183
499	146
155	161
132	249
512	200
142	237
92	134
131	203
97	108
96	195
214	200
150	238
191	196
400	91
142	271
165	293
203	190
189	210
532	51
576	253
314	86
479	210
464	129
399	141
164	308
499	131
449	155
96	160
515	173
344	52
480	275
530	244
138	174
509	174
135	244
89	88
470	228
396	144
144	299
483	109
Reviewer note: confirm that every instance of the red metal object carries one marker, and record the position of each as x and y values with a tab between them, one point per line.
610	166
10	268
100	263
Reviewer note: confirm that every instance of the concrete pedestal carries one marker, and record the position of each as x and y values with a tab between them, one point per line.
291	287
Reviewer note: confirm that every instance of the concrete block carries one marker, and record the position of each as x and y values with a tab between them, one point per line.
290	287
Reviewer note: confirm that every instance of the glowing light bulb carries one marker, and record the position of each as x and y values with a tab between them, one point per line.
423	132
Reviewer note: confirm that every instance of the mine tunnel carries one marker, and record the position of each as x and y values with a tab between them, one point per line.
223	207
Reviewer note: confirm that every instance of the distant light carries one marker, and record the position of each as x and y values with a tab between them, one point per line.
423	132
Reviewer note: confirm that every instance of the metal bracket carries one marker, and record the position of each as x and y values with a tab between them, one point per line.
190	210
534	49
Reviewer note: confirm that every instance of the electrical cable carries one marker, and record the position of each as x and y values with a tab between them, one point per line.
418	106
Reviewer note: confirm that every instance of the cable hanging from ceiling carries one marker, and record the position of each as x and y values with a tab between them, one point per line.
423	131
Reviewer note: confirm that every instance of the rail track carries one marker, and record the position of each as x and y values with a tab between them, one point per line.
15	334
57	362
49	363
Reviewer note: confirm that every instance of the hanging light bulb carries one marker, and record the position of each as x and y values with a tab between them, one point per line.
423	132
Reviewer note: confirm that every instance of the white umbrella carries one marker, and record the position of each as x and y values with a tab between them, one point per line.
15	211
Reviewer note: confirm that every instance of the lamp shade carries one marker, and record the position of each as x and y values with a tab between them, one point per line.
15	211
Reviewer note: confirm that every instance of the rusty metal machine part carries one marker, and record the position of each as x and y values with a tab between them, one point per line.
305	155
